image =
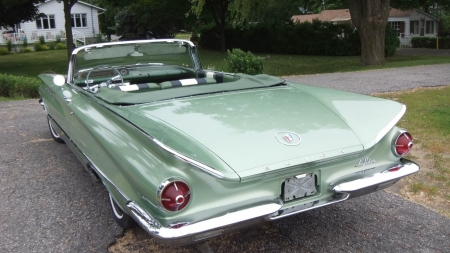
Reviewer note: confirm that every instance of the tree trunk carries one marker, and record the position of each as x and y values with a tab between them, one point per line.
219	10
67	5
370	18
223	47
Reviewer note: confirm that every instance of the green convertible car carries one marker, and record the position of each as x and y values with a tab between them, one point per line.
189	154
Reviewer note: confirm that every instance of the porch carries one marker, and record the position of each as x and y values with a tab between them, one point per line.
33	37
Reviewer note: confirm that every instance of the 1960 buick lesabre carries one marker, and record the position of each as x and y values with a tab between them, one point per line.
189	154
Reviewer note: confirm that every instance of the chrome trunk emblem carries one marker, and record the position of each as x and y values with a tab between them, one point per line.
288	138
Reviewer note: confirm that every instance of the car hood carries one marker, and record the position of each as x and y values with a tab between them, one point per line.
247	130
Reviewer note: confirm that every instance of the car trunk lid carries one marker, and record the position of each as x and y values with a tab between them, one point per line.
250	130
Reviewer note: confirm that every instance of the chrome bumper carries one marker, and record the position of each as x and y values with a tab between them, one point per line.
354	188
377	181
202	230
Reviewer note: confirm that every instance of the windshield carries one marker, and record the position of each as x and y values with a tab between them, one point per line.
134	54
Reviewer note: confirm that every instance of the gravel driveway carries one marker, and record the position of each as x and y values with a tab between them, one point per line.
50	204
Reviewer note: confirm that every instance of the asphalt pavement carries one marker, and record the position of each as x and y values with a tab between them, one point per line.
50	204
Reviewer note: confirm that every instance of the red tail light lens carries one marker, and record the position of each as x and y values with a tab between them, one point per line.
174	195
402	144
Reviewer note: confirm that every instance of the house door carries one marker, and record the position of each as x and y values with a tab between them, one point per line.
422	27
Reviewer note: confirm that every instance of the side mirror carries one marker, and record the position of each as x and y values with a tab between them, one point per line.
59	80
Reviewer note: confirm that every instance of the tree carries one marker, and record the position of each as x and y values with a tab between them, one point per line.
138	17
244	12
17	11
219	12
370	19
68	24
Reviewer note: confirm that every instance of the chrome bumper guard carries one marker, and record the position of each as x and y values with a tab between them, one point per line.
192	233
378	181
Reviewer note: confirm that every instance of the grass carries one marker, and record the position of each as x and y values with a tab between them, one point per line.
285	65
32	64
9	99
183	36
428	119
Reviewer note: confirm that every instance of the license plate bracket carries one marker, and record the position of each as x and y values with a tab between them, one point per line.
299	187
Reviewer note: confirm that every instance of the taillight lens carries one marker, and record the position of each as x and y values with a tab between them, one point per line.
174	195
402	144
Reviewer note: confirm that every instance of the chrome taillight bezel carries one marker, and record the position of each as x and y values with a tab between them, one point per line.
395	140
162	187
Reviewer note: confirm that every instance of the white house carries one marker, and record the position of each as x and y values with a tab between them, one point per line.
84	23
413	23
409	24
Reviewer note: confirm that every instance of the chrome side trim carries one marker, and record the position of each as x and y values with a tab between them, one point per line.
186	159
370	184
85	161
153	227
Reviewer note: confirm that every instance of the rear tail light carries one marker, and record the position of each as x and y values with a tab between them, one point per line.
402	143
174	195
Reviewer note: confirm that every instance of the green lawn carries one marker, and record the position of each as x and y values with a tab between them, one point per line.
34	63
428	120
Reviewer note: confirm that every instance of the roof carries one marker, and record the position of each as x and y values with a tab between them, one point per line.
344	15
399	13
80	2
326	15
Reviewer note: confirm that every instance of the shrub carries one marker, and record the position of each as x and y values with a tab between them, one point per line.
38	47
316	38
241	62
25	42
45	47
61	46
9	45
19	86
3	51
51	45
194	36
391	41
41	40
26	49
58	39
425	42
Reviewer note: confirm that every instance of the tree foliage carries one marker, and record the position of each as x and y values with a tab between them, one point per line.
317	6
138	17
219	12
244	12
17	11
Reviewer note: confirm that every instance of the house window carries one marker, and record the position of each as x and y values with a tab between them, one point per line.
429	26
46	22
398	26
414	27
79	20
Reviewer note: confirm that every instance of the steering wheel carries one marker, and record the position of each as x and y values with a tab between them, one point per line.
108	83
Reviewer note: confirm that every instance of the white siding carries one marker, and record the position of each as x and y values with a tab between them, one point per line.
420	16
55	8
